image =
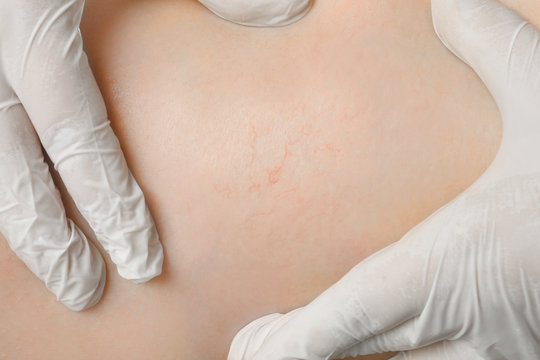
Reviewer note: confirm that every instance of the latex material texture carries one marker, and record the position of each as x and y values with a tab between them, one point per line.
259	12
466	280
48	94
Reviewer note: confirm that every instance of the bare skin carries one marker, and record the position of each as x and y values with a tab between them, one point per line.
273	161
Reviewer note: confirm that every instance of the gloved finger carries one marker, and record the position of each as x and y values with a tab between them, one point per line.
252	336
403	337
423	275
58	90
496	42
444	350
504	50
33	219
406	338
259	12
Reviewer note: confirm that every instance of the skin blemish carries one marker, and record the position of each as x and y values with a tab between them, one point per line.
286	192
306	129
255	187
225	190
253	134
275	173
293	142
327	147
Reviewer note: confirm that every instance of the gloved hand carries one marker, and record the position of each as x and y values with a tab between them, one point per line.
469	273
259	12
48	93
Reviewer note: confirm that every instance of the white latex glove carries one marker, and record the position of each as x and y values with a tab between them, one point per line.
48	93
259	12
470	272
444	350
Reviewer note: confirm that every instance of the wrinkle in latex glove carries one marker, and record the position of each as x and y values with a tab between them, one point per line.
259	12
444	350
467	274
48	93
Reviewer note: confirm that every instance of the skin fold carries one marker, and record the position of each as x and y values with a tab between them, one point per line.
273	160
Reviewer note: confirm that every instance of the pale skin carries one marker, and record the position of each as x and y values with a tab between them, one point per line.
273	161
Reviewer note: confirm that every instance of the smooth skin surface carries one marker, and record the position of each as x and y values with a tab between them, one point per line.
273	160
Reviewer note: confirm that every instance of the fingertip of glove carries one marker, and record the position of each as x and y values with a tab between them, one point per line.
143	279
249	339
267	13
142	267
89	299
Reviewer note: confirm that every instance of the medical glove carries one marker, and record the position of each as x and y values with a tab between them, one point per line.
259	12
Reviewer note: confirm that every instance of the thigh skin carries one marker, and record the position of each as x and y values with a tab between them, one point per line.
273	161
